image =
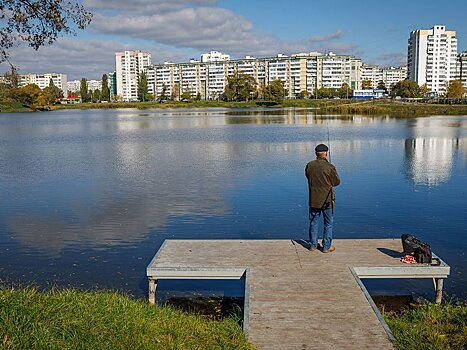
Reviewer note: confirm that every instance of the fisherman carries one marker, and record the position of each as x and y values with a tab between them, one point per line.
322	177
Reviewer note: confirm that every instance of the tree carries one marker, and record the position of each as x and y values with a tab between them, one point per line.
186	95
381	86
27	95
324	93
10	81
51	93
366	84
274	91
240	87
143	87
424	90
163	95
455	89
406	89
345	91
84	91
105	93
175	94
38	22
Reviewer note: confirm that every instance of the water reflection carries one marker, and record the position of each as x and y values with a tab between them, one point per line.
430	153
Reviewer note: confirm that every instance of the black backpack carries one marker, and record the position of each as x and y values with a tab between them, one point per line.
423	254
420	250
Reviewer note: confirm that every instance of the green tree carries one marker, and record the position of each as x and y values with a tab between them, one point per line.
303	94
198	96
274	91
345	91
142	87
163	95
455	89
240	87
381	86
324	93
406	89
10	81
105	93
84	91
51	93
186	95
38	22
96	95
366	84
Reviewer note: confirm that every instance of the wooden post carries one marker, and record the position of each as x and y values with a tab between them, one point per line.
152	290
439	290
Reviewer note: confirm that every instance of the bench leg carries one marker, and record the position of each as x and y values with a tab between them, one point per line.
439	290
152	290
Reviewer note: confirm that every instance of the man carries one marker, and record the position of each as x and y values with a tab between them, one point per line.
322	177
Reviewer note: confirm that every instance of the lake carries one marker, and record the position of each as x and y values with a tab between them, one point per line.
88	196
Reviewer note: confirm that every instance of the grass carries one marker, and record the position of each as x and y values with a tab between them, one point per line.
325	106
430	327
8	107
71	319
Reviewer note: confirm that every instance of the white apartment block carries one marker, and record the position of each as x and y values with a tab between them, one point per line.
432	56
75	85
388	75
372	73
214	56
129	65
43	81
393	75
300	72
94	84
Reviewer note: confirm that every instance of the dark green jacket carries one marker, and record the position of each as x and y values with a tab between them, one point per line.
322	176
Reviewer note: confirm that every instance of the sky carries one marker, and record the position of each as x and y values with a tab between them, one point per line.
177	30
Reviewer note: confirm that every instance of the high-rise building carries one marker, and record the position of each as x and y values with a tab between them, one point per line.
43	80
129	65
431	58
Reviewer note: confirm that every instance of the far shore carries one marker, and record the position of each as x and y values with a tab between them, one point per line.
324	107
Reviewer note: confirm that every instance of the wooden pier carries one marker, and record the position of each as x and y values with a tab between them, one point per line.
294	298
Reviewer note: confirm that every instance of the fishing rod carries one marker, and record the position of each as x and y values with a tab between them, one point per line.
329	141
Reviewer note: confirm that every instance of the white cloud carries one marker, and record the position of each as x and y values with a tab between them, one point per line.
79	58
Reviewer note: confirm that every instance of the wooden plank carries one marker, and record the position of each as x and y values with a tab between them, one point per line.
296	299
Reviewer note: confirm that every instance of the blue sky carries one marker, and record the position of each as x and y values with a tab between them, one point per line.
177	30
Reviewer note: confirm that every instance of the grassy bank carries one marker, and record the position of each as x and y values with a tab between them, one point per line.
105	320
9	107
392	108
344	107
430	327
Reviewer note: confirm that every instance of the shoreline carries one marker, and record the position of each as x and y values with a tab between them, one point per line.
321	107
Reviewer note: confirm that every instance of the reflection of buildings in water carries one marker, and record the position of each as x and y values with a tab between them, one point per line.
430	153
429	160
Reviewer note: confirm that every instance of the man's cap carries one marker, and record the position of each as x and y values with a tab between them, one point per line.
321	148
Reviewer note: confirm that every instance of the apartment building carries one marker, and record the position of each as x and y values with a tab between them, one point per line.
372	73
43	81
75	85
432	56
388	75
300	72
392	75
129	65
